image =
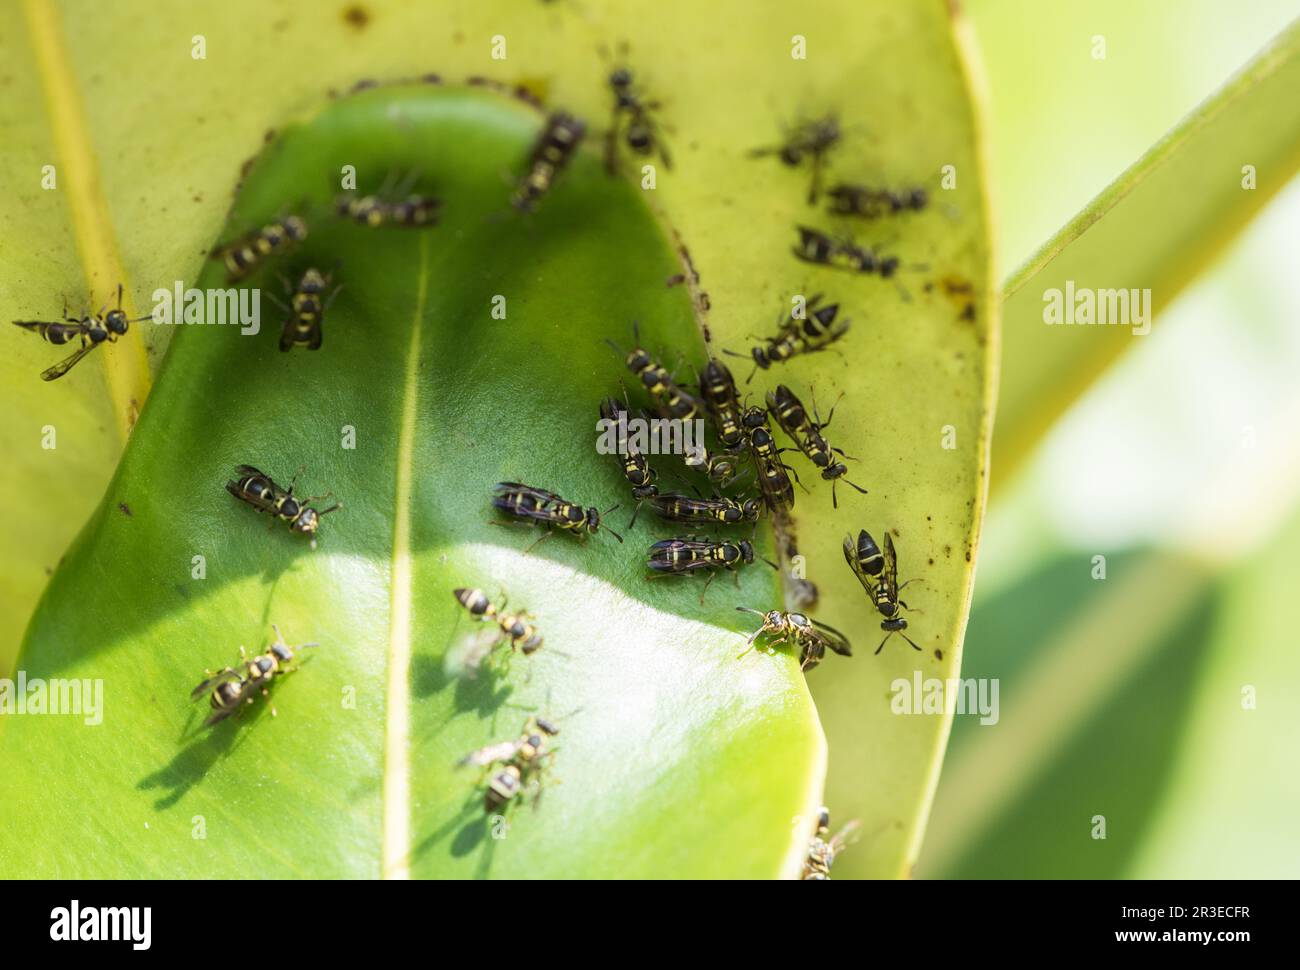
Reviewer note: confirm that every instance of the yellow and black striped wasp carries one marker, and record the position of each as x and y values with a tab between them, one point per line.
671	400
812	638
867	202
719	510
92	330
878	574
817	247
642	134
536	506
232	687
636	468
413	211
513	628
302	328
806	433
245	255
261	492
523	762
822	848
773	480
809	139
684	556
516	628
718	389
555	147
815	331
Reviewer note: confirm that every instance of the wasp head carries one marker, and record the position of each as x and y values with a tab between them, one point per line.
117	322
619	78
746	550
312	282
307	521
751	509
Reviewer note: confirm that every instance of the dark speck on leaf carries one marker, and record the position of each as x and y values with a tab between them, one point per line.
356	16
124	509
938	654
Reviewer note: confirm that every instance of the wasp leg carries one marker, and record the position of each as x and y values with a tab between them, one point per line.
546	534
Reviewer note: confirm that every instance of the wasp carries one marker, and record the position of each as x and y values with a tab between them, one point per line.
817	247
261	492
682	556
523	762
810	139
718	389
642	135
807	434
555	146
878	575
814	331
92	330
372	211
721	510
247	254
302	328
636	469
670	399
536	505
720	469
810	636
515	629
871	203
772	478
822	849
235	686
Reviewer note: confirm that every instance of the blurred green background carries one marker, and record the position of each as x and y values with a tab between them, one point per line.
1123	697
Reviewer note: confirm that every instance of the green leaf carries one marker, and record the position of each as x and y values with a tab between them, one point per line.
658	719
1155	227
1138	721
910	367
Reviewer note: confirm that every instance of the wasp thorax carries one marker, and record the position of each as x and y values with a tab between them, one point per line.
307	521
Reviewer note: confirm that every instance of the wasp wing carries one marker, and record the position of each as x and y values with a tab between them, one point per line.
503	751
834	639
891	563
851	557
65	365
225	677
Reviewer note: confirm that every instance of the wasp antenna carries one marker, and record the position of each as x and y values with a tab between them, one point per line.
858	487
613	533
882	643
770	563
910	640
617	349
732	353
747	609
333	508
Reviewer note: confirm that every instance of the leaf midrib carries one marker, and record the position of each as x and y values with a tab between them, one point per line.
397	722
